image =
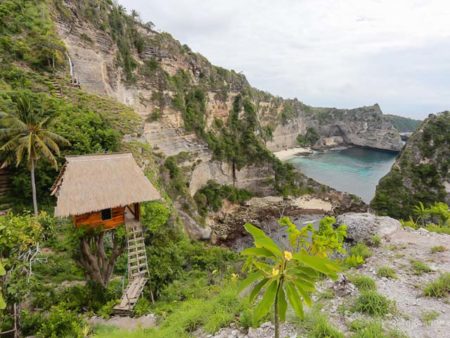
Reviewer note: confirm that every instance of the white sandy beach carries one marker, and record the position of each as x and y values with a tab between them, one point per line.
286	154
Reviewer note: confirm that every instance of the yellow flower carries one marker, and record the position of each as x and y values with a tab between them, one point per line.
275	272
288	255
234	276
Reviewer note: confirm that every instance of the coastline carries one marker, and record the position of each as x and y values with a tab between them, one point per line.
286	154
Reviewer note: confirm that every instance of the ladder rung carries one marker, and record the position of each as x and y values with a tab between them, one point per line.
136	246
139	266
138	252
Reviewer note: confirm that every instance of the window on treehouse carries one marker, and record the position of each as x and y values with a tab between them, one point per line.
106	214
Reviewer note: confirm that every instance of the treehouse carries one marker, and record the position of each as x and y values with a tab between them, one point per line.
104	191
101	191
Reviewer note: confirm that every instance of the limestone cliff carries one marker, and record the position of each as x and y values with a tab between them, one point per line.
421	173
181	97
365	127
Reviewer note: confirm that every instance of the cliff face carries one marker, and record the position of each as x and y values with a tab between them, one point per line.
150	74
421	173
365	127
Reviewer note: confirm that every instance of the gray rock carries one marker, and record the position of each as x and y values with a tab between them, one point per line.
195	230
361	227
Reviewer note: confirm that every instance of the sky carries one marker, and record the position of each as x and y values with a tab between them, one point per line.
327	53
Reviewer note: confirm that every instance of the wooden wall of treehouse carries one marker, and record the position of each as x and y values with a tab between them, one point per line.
107	218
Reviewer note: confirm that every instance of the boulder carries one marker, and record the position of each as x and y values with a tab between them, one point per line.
361	227
194	230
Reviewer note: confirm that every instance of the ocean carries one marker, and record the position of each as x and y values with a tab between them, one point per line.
353	170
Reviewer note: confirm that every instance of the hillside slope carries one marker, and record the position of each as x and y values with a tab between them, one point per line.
421	173
403	124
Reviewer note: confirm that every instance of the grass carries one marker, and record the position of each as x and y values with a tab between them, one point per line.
428	316
375	241
419	267
362	282
386	271
438	229
318	326
372	329
361	250
372	303
439	288
215	311
326	294
438	248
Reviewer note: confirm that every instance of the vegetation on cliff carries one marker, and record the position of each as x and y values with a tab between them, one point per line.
420	173
403	124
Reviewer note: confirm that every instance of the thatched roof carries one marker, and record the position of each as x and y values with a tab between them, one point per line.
95	182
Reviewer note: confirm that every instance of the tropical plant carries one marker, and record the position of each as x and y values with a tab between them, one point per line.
26	135
285	277
421	212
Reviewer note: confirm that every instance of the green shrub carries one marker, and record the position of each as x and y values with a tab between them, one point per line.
362	250
309	139
419	267
386	271
438	288
142	307
107	310
372	303
362	282
353	261
211	196
30	322
62	323
438	248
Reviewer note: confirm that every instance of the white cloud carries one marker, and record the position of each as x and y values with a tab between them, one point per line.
325	52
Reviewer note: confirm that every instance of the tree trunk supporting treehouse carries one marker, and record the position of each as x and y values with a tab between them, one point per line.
93	258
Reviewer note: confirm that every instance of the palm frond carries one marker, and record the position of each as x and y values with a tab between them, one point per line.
46	152
56	138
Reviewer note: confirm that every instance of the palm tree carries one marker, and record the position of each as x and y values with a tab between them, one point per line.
26	135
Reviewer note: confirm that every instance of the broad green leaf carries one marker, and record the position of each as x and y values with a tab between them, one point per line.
308	286
305	292
262	240
254	276
320	264
266	268
294	299
258	252
257	289
267	300
282	304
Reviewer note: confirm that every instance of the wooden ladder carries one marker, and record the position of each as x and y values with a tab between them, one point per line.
137	268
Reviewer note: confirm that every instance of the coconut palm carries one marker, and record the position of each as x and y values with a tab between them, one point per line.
25	135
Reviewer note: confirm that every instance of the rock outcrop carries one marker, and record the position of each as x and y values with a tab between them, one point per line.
361	227
421	173
364	127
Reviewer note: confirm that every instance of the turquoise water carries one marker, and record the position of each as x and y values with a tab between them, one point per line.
353	170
